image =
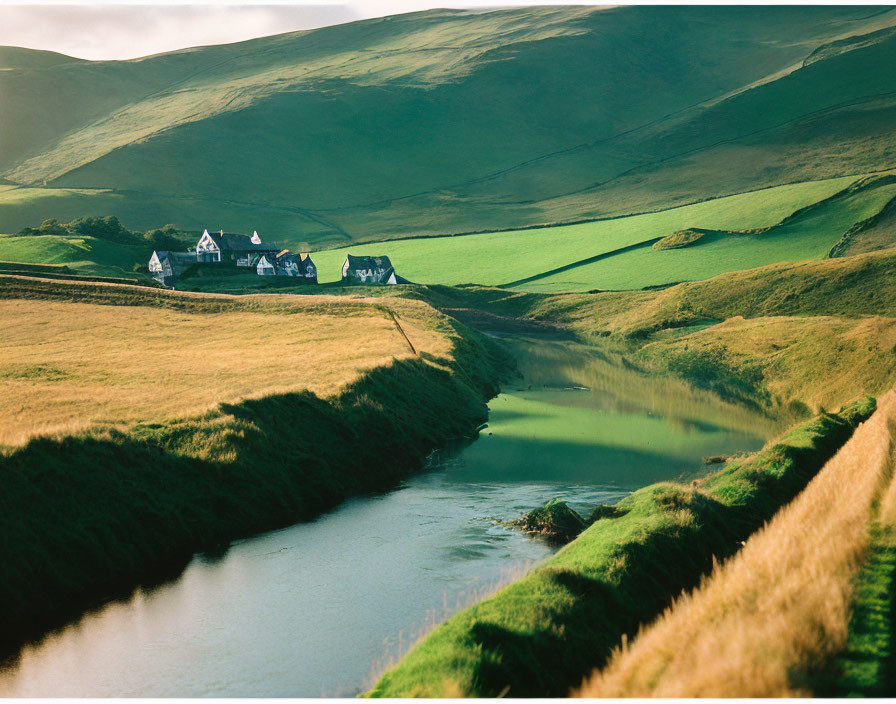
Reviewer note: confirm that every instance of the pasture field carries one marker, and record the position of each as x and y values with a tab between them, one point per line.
525	259
500	257
809	236
769	621
848	287
68	365
85	254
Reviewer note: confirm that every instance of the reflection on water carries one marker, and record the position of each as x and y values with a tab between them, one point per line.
318	608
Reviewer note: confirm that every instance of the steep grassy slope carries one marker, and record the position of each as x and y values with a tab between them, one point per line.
877	232
448	121
769	620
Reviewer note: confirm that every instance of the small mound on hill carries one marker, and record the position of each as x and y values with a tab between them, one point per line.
876	233
682	238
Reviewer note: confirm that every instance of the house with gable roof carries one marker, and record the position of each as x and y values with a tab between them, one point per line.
166	266
288	264
370	270
232	248
235	250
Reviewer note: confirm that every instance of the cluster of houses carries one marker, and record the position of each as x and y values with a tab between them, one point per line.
250	252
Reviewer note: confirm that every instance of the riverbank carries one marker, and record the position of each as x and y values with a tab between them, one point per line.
790	339
91	514
541	635
805	609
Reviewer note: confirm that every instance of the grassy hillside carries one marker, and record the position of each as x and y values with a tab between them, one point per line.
365	130
770	620
817	333
503	257
87	254
876	232
807	235
824	210
857	286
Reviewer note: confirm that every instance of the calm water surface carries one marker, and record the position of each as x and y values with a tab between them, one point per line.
318	609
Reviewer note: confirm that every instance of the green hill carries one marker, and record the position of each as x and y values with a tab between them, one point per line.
787	223
447	121
84	254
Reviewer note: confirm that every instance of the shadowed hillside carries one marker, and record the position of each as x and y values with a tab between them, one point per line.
450	121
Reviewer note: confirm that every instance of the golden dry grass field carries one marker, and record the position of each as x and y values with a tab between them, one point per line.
780	609
825	361
67	365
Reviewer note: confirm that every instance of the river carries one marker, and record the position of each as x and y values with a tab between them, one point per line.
320	608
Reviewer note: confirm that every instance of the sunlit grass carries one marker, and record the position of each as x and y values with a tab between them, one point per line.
810	237
500	257
68	365
542	634
780	609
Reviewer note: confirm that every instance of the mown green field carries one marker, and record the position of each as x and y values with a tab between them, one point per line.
502	257
808	237
797	222
87	254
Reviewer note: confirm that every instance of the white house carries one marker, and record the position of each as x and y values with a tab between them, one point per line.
165	266
241	250
264	267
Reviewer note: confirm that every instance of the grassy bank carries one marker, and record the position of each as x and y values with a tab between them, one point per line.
91	512
543	634
768	622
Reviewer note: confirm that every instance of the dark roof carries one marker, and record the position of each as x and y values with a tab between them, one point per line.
239	243
178	261
374	264
368	262
180	256
302	261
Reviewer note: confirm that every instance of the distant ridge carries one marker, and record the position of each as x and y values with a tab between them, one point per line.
449	121
22	57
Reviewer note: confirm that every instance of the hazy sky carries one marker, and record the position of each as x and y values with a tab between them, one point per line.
120	30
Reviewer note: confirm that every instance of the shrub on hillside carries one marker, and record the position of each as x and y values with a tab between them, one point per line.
111	229
50	226
107	228
168	238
